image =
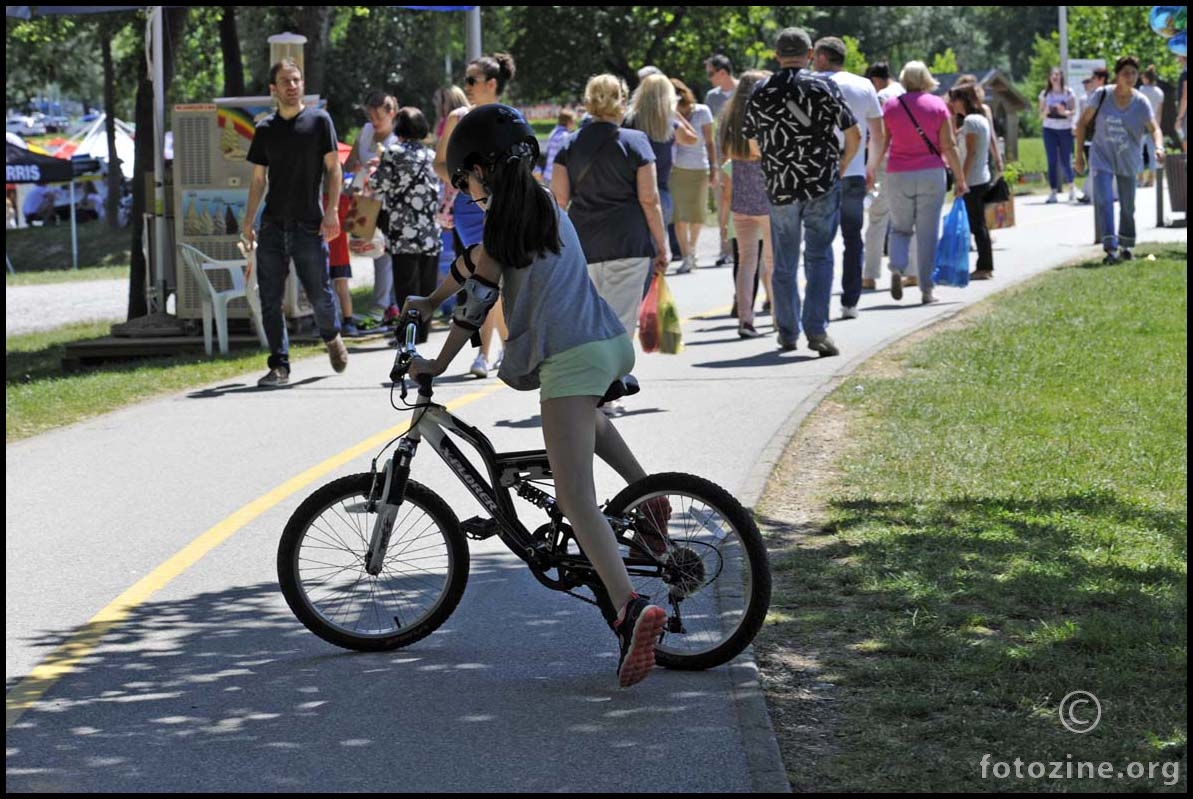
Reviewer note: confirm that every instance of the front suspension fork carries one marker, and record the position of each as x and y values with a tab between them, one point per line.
389	502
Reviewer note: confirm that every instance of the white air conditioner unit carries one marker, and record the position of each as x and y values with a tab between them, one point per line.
211	189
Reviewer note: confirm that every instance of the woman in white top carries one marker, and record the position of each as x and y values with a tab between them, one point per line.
374	138
975	134
694	170
1057	106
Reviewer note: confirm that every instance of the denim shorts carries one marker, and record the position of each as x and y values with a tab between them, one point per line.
587	370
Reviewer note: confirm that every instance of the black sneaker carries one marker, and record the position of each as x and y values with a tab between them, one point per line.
822	344
638	629
785	345
348	328
896	286
1111	258
1125	255
275	377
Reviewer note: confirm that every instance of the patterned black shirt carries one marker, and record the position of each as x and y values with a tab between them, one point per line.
795	115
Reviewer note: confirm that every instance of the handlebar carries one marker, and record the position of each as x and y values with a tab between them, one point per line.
407	352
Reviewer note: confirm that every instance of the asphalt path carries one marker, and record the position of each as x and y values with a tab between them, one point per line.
143	615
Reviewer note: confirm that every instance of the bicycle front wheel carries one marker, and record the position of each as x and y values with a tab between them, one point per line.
709	570
321	567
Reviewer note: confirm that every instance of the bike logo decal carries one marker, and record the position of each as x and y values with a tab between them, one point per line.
467	473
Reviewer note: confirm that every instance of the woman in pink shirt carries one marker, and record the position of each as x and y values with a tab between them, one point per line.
919	141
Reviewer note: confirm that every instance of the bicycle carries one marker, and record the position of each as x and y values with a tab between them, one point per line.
376	561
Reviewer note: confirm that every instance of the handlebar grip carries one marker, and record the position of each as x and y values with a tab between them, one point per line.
424	385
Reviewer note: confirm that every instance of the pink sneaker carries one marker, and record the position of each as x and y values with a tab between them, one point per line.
638	629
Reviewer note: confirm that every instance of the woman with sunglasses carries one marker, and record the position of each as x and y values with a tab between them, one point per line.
485	79
564	340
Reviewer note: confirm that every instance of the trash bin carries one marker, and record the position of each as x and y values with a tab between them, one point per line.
1176	172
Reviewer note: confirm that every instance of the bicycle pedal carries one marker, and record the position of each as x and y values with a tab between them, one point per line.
478	528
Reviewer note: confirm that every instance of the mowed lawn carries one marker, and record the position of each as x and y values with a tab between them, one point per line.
1005	523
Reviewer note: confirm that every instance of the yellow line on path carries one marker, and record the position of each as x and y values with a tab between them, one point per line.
63	660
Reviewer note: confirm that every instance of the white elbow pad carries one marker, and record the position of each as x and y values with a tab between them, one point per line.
480	296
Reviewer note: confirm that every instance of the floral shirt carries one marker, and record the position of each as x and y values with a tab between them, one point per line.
406	184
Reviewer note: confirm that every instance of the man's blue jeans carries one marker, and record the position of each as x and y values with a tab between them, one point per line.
819	217
277	244
853	215
1104	209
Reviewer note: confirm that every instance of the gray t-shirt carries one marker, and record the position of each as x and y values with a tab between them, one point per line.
979	168
1118	133
551	306
717	98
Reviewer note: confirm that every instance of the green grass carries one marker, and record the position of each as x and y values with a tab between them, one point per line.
39	396
1031	155
43	254
1009	525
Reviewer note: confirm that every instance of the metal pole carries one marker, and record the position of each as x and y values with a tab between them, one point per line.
1063	26
157	301
74	232
474	32
1159	196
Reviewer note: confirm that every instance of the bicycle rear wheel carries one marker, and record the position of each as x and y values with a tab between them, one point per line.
321	567
713	579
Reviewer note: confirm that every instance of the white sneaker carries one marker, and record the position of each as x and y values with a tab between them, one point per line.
1051	199
613	409
480	367
496	364
1072	194
848	312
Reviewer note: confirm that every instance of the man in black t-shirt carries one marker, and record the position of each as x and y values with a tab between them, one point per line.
294	153
793	118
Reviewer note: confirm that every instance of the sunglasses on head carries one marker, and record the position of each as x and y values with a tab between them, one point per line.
472	80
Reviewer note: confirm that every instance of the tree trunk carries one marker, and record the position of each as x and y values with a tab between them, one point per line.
230	47
314	22
112	202
174	25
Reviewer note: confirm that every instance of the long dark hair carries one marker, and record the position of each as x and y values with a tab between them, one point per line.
968	96
522	221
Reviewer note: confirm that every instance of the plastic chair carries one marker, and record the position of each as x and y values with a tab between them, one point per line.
215	303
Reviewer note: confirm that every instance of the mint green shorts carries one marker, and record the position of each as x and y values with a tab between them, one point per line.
587	370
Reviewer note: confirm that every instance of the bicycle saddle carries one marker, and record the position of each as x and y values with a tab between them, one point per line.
622	387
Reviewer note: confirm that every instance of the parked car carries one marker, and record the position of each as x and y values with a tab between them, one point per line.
24	126
56	123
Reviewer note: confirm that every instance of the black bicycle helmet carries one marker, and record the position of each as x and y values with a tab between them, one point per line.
484	135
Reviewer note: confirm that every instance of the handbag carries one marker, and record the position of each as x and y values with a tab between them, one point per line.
361	221
999	191
949	177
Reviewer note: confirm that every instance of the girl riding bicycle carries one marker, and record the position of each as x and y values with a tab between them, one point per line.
563	339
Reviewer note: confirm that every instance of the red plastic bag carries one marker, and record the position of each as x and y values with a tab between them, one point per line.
648	318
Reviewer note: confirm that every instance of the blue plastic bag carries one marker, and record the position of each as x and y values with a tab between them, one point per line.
952	253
